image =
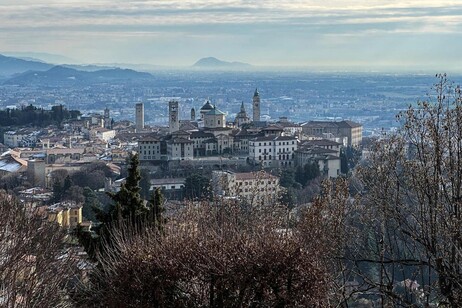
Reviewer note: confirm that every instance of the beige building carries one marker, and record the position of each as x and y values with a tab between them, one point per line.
149	149
214	118
349	129
102	133
180	149
256	188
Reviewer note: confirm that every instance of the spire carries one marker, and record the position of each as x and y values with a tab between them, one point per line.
256	93
242	107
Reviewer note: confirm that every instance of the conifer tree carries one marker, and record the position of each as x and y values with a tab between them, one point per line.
128	201
157	210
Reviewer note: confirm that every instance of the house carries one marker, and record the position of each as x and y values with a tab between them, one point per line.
66	214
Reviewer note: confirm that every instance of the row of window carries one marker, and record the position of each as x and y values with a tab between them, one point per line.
276	143
261	189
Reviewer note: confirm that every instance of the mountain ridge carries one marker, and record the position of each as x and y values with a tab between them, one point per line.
63	75
212	62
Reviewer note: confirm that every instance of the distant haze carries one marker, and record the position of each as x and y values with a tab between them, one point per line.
333	34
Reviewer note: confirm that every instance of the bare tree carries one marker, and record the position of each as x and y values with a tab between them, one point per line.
221	254
409	250
34	267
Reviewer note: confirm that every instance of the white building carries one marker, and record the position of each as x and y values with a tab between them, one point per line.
273	151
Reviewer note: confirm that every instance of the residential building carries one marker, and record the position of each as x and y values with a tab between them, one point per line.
149	149
273	151
67	214
255	188
349	129
180	148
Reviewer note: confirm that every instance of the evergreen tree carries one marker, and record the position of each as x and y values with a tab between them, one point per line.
128	202
145	183
157	210
343	162
196	186
91	201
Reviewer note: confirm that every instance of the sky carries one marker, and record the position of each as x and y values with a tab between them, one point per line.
339	34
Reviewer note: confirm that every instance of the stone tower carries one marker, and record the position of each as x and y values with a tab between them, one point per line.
173	121
139	117
107	118
193	114
256	106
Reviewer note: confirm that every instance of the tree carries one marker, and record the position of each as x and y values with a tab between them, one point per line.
145	183
94	179
91	201
61	181
343	162
196	187
157	210
128	202
35	268
74	193
225	256
410	249
307	173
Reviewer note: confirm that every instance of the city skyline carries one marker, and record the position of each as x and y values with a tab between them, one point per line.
363	35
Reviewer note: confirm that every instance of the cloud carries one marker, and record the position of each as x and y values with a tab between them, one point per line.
247	30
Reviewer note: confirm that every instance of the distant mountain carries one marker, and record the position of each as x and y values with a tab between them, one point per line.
63	76
212	63
41	57
10	66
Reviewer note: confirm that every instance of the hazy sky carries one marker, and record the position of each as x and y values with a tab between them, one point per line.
343	33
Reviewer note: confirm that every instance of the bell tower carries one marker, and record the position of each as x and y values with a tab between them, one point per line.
174	123
256	106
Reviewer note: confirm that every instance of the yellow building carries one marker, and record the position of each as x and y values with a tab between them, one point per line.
67	214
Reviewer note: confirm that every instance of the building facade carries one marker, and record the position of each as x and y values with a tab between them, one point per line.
255	188
273	151
351	130
149	149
